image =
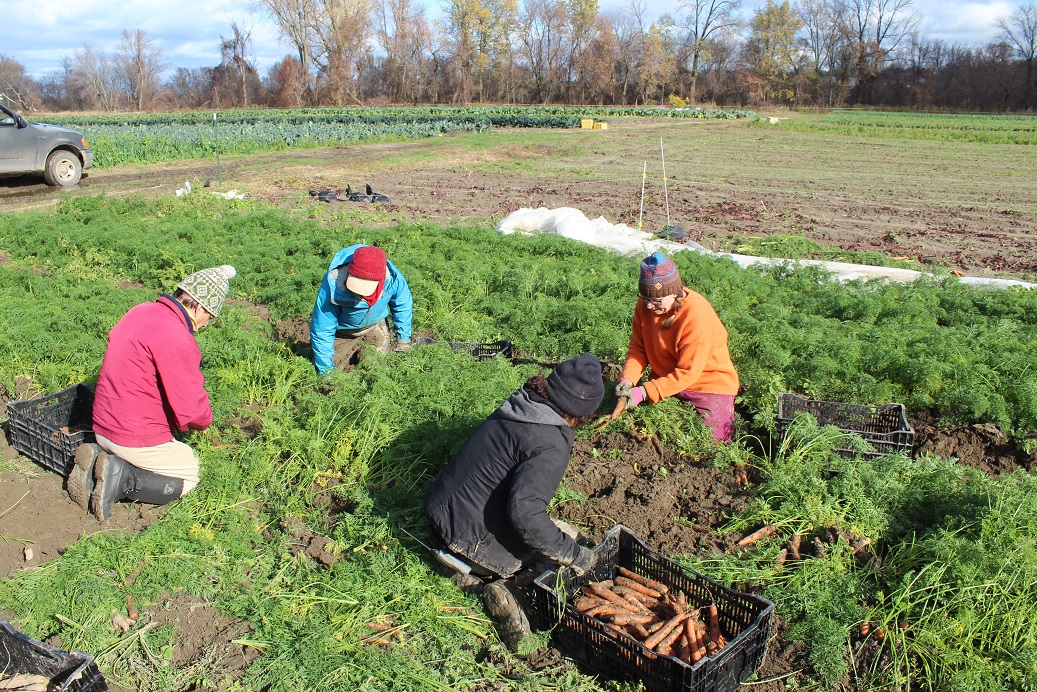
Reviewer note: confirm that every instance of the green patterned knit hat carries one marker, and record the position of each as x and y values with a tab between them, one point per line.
209	287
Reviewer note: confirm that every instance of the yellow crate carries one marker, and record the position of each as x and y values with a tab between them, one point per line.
601	126
587	123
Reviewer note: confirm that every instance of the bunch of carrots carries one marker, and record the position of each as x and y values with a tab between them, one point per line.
647	611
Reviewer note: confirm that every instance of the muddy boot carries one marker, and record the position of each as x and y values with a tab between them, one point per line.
512	624
80	482
115	479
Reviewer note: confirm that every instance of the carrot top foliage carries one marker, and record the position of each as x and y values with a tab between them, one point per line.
374	437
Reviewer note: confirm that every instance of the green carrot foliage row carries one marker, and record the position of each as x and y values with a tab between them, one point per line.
349	457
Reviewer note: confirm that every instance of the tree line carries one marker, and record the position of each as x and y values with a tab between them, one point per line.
823	53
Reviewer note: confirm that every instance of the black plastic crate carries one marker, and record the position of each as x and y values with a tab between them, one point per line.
49	429
67	671
884	427
480	350
745	617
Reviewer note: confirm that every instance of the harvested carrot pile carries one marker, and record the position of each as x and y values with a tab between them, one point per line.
650	613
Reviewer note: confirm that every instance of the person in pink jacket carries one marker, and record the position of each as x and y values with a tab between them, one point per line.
150	389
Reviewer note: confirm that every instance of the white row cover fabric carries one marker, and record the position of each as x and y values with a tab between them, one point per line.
572	223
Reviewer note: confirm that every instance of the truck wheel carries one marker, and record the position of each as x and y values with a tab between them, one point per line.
63	168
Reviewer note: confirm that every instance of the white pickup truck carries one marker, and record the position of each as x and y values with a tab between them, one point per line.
59	153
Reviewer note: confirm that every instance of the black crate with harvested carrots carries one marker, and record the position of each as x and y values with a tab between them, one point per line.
640	615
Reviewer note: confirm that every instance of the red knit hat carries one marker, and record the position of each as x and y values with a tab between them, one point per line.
659	277
366	270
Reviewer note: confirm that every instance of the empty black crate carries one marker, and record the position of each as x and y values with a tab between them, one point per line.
884	427
480	350
66	671
744	617
49	429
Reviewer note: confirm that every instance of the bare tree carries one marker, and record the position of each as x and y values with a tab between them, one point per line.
94	79
235	50
825	40
703	22
295	20
139	63
877	28
342	29
542	35
1019	30
17	88
402	32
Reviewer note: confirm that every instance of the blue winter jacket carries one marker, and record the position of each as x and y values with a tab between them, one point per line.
338	309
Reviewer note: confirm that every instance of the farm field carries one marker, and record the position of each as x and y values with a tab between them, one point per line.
288	567
818	186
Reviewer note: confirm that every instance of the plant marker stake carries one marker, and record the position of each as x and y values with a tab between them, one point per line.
640	214
216	135
666	195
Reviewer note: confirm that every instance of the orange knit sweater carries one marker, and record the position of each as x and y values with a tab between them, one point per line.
691	354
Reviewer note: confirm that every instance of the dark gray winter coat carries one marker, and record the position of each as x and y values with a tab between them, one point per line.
489	504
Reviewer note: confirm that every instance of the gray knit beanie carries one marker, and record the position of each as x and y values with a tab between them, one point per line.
575	385
209	287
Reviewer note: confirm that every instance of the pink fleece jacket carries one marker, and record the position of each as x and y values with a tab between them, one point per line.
150	382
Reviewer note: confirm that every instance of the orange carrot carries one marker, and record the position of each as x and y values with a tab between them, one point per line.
669	639
631	618
635	585
696	635
714	626
794	545
608	595
767	530
587	602
650	583
664	631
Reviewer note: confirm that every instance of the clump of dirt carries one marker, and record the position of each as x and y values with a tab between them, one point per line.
203	635
983	446
295	333
675	506
312	544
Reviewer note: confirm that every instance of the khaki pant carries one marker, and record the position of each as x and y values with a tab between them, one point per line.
348	345
173	459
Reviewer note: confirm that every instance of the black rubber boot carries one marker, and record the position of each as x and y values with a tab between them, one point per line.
116	479
80	482
503	605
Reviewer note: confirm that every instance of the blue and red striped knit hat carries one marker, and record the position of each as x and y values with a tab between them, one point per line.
659	277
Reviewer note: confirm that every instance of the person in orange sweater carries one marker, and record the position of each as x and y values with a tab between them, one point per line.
677	333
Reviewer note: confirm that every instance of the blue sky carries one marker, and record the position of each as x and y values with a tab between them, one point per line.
41	35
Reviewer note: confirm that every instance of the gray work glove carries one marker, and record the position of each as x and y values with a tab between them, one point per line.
584	562
623	388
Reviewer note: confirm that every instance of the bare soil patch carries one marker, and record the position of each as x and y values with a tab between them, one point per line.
909	200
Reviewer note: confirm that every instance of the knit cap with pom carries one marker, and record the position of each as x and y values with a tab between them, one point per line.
659	277
209	287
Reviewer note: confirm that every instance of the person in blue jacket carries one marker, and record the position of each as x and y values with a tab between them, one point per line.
357	294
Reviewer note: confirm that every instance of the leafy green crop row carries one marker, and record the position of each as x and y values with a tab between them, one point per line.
153	137
985	129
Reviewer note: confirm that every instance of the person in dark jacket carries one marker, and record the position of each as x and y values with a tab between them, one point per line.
488	506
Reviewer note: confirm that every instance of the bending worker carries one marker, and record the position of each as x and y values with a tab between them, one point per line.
357	294
488	506
677	332
150	389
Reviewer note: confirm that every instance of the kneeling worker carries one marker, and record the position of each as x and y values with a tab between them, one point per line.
149	388
356	295
488	506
